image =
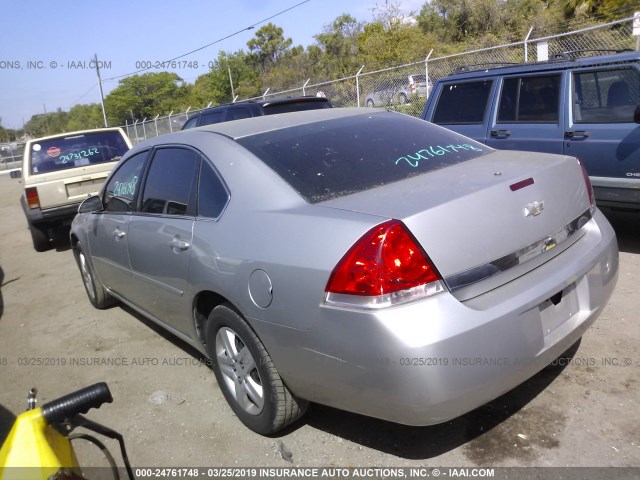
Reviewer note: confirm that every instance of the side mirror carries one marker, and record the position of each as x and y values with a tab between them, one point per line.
15	173
636	115
90	205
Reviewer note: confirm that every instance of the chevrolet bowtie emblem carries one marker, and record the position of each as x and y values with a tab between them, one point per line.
534	209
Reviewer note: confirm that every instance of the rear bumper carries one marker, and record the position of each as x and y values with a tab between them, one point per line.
60	215
434	360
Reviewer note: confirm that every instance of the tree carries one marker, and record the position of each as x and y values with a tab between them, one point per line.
338	51
145	95
392	38
43	124
215	86
82	117
268	46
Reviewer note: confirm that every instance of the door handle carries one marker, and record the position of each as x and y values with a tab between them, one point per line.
119	234
177	244
500	133
577	134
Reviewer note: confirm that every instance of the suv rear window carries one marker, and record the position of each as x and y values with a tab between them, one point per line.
295	106
76	151
330	159
463	102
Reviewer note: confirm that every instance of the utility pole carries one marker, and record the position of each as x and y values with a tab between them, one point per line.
233	94
47	119
104	113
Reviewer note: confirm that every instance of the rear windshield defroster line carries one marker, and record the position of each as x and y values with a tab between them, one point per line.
333	158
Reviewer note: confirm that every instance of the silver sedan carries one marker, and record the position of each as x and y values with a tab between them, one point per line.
356	258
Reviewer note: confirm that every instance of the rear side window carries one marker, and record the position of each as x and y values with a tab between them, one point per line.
170	185
329	159
238	113
212	194
212	117
77	151
533	99
192	123
606	96
461	103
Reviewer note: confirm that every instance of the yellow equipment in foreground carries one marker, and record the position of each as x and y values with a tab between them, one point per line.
39	443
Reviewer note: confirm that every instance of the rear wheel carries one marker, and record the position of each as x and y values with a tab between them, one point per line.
98	295
246	375
403	99
370	103
40	237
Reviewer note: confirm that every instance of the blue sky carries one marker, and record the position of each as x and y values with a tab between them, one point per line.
46	46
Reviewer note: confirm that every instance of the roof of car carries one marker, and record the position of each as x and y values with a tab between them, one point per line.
562	63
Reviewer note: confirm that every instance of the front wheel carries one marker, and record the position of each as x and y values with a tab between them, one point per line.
246	375
98	295
370	103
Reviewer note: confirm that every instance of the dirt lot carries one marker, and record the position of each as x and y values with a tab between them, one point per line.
171	412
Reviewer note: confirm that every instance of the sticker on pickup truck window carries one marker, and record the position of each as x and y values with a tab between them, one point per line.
53	151
435	151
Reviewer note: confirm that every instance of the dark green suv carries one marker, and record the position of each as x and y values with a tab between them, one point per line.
254	108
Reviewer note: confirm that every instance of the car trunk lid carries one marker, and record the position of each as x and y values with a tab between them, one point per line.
489	220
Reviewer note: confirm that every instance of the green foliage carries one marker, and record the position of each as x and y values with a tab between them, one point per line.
215	86
337	50
145	95
44	124
268	46
82	117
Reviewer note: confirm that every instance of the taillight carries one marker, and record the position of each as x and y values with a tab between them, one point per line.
386	263
32	197
587	181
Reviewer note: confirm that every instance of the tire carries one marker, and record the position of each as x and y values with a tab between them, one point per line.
246	375
40	238
370	103
403	99
98	295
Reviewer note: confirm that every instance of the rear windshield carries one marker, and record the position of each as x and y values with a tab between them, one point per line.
76	151
332	158
295	106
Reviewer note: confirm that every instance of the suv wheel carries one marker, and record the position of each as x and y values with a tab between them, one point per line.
246	375
403	99
40	237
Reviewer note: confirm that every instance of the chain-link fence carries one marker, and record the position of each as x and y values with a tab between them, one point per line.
406	87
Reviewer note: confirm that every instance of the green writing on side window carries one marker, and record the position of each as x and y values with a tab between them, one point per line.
430	152
125	189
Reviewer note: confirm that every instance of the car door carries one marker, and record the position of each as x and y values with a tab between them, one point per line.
108	235
601	130
528	114
160	235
